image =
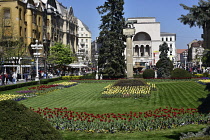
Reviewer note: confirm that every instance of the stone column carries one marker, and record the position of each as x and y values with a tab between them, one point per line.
129	57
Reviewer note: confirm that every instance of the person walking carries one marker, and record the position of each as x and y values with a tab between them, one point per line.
2	79
14	77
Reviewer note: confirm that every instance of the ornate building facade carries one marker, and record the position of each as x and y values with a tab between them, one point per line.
147	40
25	21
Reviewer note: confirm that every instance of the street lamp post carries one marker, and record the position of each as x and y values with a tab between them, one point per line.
37	55
80	54
185	59
96	58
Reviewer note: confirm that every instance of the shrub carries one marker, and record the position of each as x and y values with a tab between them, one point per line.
205	74
17	122
148	74
180	74
138	75
88	76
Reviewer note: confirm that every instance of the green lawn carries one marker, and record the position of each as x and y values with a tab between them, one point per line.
86	97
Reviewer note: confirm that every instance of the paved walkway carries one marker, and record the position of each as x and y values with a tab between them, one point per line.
23	81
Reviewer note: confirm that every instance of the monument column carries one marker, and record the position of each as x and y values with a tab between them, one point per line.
129	32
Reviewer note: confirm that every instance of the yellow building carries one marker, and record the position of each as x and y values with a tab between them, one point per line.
25	21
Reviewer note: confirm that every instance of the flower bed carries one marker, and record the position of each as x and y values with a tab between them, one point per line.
66	84
128	91
9	96
43	89
204	81
161	118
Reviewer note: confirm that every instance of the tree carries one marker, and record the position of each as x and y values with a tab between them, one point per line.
111	53
164	67
199	16
60	54
206	58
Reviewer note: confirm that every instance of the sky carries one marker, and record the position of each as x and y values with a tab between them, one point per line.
166	12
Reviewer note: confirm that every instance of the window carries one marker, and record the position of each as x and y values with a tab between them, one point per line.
170	39
81	29
20	31
48	36
48	22
81	35
81	40
86	46
86	40
166	39
7	13
86	35
162	39
25	32
20	14
39	21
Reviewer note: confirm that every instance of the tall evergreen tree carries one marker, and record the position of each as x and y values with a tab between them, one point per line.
165	66
111	53
199	16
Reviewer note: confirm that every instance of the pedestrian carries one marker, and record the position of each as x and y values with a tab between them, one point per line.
9	78
14	77
25	77
2	79
6	78
44	75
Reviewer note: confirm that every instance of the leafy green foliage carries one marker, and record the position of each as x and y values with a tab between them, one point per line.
206	57
148	73
164	66
111	56
60	54
180	74
197	15
18	122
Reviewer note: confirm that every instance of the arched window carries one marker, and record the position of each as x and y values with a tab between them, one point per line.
142	36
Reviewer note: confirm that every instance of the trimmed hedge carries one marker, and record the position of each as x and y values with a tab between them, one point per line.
179	73
17	122
19	85
148	74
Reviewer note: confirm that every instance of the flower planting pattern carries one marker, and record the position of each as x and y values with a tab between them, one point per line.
204	81
128	91
161	118
37	90
9	96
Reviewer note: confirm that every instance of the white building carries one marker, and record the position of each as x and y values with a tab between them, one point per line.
147	39
84	41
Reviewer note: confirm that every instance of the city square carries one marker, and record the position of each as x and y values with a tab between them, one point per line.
136	77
